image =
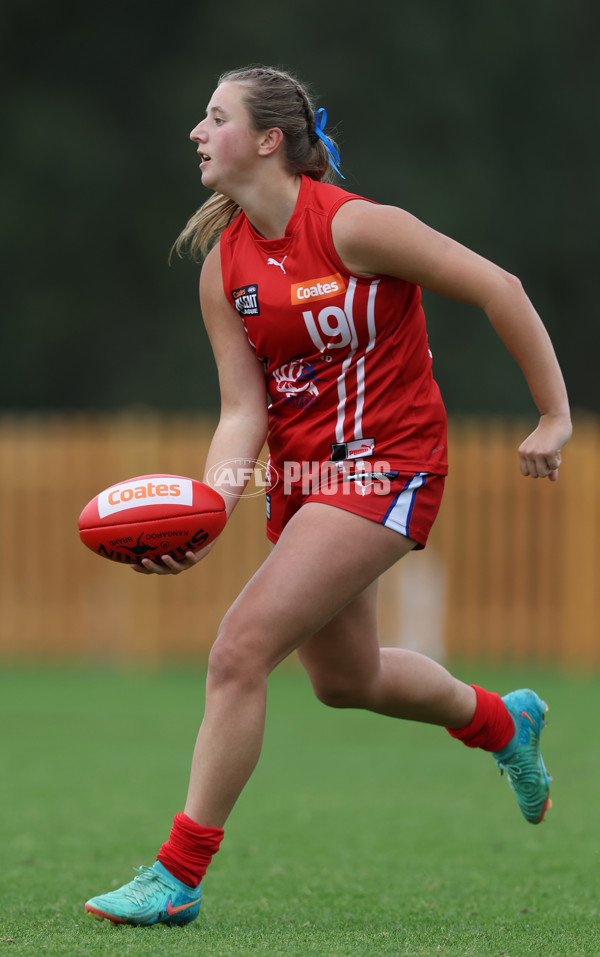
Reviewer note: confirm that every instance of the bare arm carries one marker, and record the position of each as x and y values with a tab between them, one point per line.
242	427
385	240
243	422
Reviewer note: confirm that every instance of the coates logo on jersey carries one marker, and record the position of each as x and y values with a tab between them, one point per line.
313	289
245	300
296	383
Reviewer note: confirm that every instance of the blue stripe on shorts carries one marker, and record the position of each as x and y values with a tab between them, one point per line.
399	513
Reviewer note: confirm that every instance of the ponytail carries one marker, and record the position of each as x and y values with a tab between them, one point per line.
205	225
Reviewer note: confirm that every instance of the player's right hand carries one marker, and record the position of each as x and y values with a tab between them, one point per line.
167	564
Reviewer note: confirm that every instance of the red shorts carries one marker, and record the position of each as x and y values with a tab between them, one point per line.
405	502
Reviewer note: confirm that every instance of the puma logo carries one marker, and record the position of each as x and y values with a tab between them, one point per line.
273	262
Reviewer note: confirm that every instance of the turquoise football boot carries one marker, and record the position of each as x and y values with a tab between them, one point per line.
521	758
153	897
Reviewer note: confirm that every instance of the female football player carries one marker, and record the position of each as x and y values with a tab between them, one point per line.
311	298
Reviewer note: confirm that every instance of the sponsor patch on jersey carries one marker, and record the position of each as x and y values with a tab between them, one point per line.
313	289
245	300
357	449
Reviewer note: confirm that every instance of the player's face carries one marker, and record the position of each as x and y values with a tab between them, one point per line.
227	145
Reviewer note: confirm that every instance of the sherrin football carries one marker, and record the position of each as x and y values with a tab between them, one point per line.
152	515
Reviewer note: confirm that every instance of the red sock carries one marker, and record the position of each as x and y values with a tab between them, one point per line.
492	726
190	849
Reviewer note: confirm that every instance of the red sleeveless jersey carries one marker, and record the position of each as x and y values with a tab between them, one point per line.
346	358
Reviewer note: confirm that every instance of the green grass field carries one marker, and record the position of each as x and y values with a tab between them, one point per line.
357	835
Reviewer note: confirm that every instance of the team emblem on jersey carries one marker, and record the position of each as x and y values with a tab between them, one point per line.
245	300
296	383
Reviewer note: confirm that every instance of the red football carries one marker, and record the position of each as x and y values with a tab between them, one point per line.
152	515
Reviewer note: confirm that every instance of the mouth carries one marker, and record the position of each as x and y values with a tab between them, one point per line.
204	158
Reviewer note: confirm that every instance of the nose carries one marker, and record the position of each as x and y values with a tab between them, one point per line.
197	132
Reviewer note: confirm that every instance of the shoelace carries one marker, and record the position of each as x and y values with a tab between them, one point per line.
516	769
526	780
511	769
141	887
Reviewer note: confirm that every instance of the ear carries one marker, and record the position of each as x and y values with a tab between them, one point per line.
270	141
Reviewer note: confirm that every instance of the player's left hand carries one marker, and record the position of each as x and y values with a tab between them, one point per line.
539	454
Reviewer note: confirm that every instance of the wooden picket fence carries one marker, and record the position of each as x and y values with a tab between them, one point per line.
511	572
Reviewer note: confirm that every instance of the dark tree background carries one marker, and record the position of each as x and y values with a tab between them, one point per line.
481	118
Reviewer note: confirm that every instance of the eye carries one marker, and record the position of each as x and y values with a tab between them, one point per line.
218	120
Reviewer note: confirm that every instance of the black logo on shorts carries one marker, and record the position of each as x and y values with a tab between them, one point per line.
245	300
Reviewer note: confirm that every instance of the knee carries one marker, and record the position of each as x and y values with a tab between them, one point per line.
227	660
234	658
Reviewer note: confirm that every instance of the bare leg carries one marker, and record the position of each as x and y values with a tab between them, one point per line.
349	669
324	560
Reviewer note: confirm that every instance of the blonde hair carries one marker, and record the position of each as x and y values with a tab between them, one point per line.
272	98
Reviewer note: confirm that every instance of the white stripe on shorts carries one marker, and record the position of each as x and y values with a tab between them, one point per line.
399	513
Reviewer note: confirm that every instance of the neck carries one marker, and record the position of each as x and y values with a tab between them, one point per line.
269	205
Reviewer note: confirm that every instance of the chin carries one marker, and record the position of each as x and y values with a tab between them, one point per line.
210	179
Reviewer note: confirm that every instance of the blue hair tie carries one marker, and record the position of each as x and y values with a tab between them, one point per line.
332	152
